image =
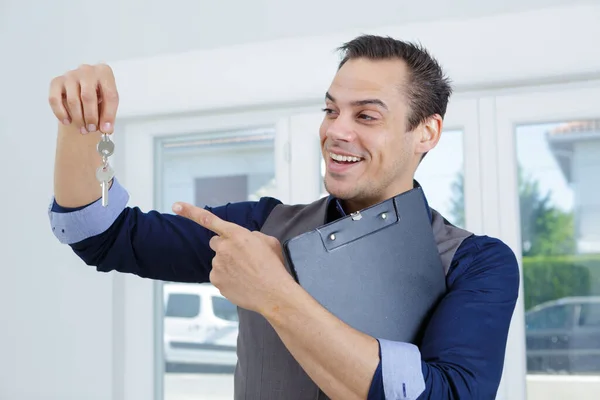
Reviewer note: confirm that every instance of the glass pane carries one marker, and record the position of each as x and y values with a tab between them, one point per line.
559	198
200	337
181	305
224	309
550	317
590	316
441	176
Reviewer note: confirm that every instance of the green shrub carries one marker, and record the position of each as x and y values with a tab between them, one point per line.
548	278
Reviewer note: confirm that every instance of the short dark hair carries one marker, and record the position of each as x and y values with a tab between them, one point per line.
427	89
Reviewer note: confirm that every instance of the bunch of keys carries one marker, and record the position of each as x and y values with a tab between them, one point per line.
105	173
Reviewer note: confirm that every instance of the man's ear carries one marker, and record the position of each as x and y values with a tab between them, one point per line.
429	134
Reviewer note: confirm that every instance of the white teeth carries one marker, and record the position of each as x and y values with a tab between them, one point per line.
338	157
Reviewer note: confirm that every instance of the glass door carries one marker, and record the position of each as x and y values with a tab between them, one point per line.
237	159
200	326
548	171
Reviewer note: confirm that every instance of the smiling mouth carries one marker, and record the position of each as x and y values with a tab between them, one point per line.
338	158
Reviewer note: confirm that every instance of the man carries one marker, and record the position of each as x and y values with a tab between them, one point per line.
383	112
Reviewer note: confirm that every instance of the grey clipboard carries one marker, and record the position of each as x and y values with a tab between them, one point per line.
378	270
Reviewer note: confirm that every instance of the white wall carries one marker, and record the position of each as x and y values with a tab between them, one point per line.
62	323
478	54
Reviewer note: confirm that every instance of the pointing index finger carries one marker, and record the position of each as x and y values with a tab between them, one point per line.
206	219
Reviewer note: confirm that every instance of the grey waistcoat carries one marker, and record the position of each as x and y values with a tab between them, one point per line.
266	370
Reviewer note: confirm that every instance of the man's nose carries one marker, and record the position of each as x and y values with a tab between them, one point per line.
341	129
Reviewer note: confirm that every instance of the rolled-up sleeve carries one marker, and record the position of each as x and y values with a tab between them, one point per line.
401	370
75	226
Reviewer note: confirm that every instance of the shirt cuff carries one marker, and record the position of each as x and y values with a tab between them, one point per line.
401	369
75	226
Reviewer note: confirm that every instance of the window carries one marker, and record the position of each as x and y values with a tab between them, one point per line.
183	306
216	169
553	317
224	309
554	174
208	169
441	174
590	315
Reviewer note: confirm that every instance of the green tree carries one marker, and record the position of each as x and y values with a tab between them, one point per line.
545	229
457	202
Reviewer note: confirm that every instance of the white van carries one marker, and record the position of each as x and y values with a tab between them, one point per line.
200	325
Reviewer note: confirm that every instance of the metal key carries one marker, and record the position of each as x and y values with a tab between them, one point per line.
104	174
105	147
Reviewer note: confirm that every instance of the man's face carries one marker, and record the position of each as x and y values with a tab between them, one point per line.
368	152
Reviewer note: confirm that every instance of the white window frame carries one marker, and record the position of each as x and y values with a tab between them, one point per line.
462	115
544	104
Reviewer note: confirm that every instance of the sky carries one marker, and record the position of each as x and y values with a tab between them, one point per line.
536	159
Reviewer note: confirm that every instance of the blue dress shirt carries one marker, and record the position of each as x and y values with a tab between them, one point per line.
462	352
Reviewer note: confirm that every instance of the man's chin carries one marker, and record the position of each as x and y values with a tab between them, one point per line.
341	191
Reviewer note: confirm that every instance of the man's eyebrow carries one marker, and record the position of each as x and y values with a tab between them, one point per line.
377	102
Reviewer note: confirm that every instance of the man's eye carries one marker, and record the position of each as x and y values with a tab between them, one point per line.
327	110
366	117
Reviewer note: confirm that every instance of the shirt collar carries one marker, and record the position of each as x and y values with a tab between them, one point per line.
336	211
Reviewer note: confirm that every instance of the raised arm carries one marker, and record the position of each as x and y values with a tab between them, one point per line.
120	238
148	244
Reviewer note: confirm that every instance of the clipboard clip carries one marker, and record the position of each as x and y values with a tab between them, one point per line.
348	229
356	216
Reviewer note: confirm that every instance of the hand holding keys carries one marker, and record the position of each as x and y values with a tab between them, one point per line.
105	173
85	101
